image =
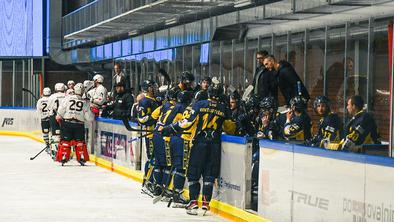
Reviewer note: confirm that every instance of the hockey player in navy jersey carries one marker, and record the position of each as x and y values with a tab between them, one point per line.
206	120
329	129
146	106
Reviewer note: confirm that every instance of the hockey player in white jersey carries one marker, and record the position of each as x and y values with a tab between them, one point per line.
43	111
69	92
88	86
98	95
74	112
70	84
53	103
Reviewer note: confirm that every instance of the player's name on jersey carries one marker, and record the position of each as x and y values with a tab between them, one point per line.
214	111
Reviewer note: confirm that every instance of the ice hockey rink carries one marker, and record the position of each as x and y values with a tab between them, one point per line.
42	190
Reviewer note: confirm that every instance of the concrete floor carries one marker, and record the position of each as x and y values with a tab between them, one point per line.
42	190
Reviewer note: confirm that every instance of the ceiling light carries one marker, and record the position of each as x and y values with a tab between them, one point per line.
242	3
171	21
134	32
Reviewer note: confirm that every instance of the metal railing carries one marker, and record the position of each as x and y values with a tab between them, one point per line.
97	12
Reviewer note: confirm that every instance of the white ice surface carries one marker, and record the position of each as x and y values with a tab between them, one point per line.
42	190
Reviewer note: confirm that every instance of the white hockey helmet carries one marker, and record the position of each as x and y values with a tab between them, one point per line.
46	91
98	78
60	87
70	92
87	84
79	89
70	82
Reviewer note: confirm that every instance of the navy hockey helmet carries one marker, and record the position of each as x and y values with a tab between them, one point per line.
185	97
171	94
267	103
215	91
146	84
187	77
319	100
208	79
299	103
253	102
235	95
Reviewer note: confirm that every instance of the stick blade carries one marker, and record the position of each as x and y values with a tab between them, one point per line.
158	198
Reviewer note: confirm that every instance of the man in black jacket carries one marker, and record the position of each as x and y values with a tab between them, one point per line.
264	82
123	102
120	77
289	82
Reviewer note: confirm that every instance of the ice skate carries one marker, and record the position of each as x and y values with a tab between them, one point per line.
179	200
192	208
205	207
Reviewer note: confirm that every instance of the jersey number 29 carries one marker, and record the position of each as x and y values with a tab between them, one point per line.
78	104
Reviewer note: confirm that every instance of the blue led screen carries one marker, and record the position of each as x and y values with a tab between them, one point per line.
21	28
204	53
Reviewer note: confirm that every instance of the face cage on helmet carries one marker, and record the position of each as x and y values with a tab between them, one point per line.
316	103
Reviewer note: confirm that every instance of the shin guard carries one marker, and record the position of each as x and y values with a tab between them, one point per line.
64	151
194	190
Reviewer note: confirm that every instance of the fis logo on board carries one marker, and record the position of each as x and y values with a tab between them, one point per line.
7	121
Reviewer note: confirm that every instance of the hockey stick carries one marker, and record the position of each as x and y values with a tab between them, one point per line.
167	185
130	128
32	158
139	137
30	92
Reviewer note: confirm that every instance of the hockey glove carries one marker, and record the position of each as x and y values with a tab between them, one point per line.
95	110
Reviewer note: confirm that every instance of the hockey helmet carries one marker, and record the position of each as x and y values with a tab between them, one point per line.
208	79
187	77
120	84
298	102
319	100
185	97
70	82
253	102
70	92
60	87
79	89
146	84
46	91
267	103
215	91
98	78
235	95
171	94
87	84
